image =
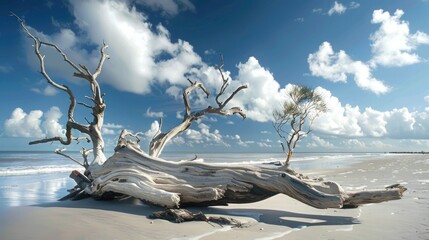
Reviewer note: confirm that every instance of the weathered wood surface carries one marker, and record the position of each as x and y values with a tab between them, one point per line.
131	171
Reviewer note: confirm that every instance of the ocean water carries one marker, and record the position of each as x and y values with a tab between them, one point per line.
30	178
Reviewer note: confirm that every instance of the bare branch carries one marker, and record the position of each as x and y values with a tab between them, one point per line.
54	139
77	139
89	98
185	94
160	139
283	147
103	57
60	152
85	153
233	94
159	129
88	73
231	111
224	82
84	104
38	43
126	133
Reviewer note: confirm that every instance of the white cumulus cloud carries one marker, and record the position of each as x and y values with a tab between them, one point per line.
154	128
47	91
111	128
337	66
51	123
34	124
351	121
373	123
144	52
152	114
211	136
263	95
319	142
21	124
393	44
149	57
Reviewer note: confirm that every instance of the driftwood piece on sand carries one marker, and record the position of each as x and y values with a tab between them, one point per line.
183	215
132	172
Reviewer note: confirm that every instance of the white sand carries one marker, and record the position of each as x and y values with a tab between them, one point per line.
279	217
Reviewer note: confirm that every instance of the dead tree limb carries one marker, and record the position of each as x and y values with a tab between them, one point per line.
61	152
160	139
93	128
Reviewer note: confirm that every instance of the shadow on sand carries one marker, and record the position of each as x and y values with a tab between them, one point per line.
267	216
287	218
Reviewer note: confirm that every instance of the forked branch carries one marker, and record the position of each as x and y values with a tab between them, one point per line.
158	142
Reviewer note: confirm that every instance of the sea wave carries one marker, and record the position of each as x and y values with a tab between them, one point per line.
13	167
300	158
28	170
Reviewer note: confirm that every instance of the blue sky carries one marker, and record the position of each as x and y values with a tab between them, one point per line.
369	59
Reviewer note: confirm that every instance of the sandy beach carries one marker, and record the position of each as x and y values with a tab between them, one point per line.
279	217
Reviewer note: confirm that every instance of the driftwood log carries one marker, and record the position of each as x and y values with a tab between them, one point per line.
132	172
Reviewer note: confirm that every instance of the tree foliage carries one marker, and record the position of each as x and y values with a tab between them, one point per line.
293	121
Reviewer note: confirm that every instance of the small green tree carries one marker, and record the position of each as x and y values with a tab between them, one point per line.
303	106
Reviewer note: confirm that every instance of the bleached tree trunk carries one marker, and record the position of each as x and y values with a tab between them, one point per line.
97	146
159	141
96	129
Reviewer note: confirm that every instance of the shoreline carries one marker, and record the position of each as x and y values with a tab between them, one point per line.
278	217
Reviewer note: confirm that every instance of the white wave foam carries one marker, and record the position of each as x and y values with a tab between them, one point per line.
237	160
28	170
423	181
223	229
